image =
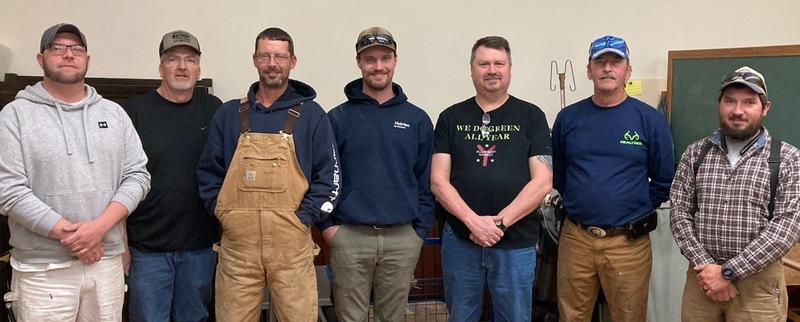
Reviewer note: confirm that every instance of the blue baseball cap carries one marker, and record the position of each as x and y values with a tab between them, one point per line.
608	44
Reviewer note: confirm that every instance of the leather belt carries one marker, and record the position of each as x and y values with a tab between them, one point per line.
600	232
376	227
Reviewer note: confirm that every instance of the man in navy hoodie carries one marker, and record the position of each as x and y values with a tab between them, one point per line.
386	210
268	171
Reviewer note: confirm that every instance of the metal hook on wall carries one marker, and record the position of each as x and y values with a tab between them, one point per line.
561	79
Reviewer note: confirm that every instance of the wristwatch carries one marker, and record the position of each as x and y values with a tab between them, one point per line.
500	225
727	272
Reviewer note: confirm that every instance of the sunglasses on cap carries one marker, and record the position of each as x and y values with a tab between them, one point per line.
371	39
748	77
609	42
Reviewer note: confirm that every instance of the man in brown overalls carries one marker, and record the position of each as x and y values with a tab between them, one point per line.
268	171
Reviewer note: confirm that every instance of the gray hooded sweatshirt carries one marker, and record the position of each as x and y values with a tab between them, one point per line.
60	160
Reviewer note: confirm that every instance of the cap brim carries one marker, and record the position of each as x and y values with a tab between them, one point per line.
162	51
752	86
608	50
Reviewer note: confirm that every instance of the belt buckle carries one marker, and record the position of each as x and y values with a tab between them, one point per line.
721	260
596	231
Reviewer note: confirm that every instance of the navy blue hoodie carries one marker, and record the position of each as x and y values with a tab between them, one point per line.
313	138
385	154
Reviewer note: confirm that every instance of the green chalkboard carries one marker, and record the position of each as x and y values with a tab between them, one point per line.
693	87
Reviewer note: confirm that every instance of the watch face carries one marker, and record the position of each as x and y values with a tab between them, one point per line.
727	273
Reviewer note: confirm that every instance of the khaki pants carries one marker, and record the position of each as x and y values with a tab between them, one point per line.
762	297
619	265
263	242
381	261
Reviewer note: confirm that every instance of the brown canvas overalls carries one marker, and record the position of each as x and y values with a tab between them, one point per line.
263	241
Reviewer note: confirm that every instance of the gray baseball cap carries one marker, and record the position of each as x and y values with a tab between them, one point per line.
178	38
50	34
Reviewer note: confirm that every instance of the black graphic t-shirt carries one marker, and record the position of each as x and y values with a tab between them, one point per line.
489	160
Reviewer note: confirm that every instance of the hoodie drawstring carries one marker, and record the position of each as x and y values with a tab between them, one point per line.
63	130
86	133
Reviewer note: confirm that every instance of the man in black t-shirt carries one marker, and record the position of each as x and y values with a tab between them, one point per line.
491	168
170	234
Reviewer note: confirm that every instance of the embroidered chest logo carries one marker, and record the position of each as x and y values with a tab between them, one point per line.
485	154
401	125
102	125
630	139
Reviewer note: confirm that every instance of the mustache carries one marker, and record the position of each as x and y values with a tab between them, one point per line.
490	77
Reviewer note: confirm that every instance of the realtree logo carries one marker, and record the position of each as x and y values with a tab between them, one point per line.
631	139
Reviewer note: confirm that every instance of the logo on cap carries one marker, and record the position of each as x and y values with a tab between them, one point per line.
180	36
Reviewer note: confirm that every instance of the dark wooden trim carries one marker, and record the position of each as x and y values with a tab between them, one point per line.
119	90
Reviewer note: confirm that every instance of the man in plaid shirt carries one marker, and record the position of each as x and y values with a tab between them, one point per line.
720	217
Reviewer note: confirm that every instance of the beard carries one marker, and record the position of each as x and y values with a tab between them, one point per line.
273	83
378	85
59	77
180	85
745	133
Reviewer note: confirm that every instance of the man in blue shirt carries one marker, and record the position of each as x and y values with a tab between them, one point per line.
613	165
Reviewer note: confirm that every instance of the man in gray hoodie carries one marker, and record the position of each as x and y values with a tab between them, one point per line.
71	169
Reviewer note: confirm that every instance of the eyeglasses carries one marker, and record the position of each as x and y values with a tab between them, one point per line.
749	77
608	42
280	58
175	60
485	119
77	50
371	39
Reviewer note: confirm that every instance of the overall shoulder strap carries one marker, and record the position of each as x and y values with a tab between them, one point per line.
244	120
291	119
774	161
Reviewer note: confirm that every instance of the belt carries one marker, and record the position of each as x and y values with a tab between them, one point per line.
601	232
376	227
720	260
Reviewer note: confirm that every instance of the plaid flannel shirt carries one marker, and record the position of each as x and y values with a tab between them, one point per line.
729	217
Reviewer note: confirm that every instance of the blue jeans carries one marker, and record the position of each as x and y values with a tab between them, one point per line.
177	282
468	267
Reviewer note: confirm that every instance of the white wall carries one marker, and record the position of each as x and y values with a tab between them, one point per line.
434	38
